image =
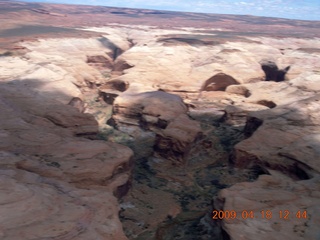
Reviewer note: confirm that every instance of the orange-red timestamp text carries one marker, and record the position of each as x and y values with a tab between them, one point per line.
263	214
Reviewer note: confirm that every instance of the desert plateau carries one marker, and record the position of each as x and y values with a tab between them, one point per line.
136	124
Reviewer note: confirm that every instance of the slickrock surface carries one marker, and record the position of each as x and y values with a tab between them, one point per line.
164	114
289	132
273	207
188	93
36	207
55	184
42	162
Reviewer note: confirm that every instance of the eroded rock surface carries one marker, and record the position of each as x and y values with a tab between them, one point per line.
55	184
289	133
36	207
62	175
283	137
272	207
164	114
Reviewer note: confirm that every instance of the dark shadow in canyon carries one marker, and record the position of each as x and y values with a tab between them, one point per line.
293	167
272	72
116	51
189	224
45	103
207	177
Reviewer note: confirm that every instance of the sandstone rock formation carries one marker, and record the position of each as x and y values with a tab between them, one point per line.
112	89
37	207
272	207
288	134
78	104
218	82
282	137
162	113
238	89
60	177
55	184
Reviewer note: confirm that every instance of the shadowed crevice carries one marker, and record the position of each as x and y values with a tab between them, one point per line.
272	72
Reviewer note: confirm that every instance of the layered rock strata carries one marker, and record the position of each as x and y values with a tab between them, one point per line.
49	167
56	184
273	207
162	113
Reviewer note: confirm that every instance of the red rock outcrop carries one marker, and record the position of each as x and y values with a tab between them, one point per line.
284	138
162	113
273	207
287	139
37	207
100	61
55	184
218	82
62	185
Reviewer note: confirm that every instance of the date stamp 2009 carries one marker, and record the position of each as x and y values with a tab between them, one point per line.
263	214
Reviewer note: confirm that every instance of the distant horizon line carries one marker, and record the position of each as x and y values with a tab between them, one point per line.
159	10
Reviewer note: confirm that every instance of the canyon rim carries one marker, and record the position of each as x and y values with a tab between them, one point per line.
121	123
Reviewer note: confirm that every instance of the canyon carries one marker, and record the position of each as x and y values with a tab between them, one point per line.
142	124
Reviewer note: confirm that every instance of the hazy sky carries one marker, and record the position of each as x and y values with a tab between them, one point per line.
294	9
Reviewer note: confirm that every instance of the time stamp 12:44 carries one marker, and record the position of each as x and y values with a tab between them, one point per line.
263	214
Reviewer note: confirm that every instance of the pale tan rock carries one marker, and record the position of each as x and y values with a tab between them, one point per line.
159	104
307	81
66	60
177	68
305	149
238	89
287	136
162	113
37	125
292	54
272	207
278	92
50	136
47	166
33	207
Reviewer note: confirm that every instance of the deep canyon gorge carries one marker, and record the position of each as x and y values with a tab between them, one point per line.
140	124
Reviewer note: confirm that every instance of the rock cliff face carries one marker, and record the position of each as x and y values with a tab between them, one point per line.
273	207
55	184
52	179
160	119
288	133
162	113
37	207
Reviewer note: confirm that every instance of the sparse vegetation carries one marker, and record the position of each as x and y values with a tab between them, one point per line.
106	75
